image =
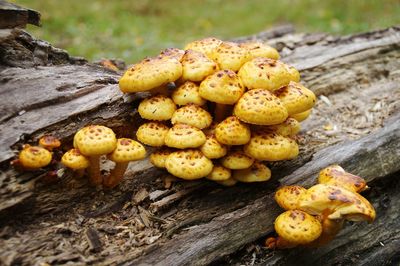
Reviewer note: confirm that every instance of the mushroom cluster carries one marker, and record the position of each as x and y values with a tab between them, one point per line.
314	216
219	109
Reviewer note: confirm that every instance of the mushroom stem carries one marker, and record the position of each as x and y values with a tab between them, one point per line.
116	175
79	173
221	112
94	170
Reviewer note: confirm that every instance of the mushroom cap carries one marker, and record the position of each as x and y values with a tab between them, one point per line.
228	182
301	116
260	107
205	46
184	136
152	133
196	66
264	73
294	74
34	157
287	196
158	157
75	160
150	73
172	53
127	150
296	98
338	202
257	172
290	127
236	159
95	140
187	93
219	173
159	107
222	87
232	131
212	149
259	49
188	164
193	115
337	176
229	55
48	141
269	146
298	227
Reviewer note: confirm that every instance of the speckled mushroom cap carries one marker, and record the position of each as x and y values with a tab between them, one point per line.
196	66
229	55
297	227
236	159
157	108
150	73
34	157
232	131
95	140
187	93
294	74
219	173
205	46
152	133
260	107
188	164
75	160
259	49
301	116
269	146
49	142
257	172
290	127
337	176
296	98
287	196
222	87
264	73
127	150
212	149
193	115
338	202
172	53
184	136
158	157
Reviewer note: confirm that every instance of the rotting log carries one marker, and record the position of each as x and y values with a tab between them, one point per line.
355	123
12	16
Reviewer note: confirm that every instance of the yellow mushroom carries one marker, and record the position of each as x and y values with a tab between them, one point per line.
34	157
228	182
259	49
287	196
232	131
301	116
196	66
205	46
152	133
230	56
193	115
212	149
294	74
236	159
257	172
49	142
184	136
157	108
219	173
296	98
289	128
187	93
172	53
337	176
158	157
74	160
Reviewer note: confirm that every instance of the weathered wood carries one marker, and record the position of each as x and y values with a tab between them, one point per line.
12	16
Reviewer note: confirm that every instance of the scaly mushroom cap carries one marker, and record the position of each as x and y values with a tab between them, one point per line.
301	116
290	127
188	164
150	73
157	108
127	150
193	115
34	157
339	202
259	49
264	73
337	176
294	74
219	173
183	136
172	53
212	149
196	66
258	172
152	133
237	160
296	98
187	93
287	196
297	227
205	46
75	160
269	146
95	140
260	107
49	142
232	131
222	87
230	55
158	157
227	183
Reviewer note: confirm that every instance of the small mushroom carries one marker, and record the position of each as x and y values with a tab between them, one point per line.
259	49
205	46
337	176
74	160
192	115
236	159
287	196
172	53
289	128
49	142
34	157
157	108
230	56
294	74
232	131
301	116
152	133
187	93
257	172
212	149
219	173
296	98
182	136
158	157
196	66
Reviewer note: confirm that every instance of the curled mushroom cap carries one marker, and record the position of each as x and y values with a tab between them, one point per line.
212	149
232	131
290	127
205	46
222	87
264	73
188	164
187	93
75	160
288	196
237	160
183	136
158	157
260	107
127	150
192	115
95	140
296	98
257	172
172	53
230	55
219	173
152	133
157	108
34	157
150	73
337	176
49	142
301	116
259	49
196	66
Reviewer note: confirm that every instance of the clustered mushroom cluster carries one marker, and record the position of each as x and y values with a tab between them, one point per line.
314	216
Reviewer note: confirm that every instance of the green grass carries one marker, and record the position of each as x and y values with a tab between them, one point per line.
132	29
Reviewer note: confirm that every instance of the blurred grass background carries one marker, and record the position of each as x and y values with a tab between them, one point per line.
133	29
